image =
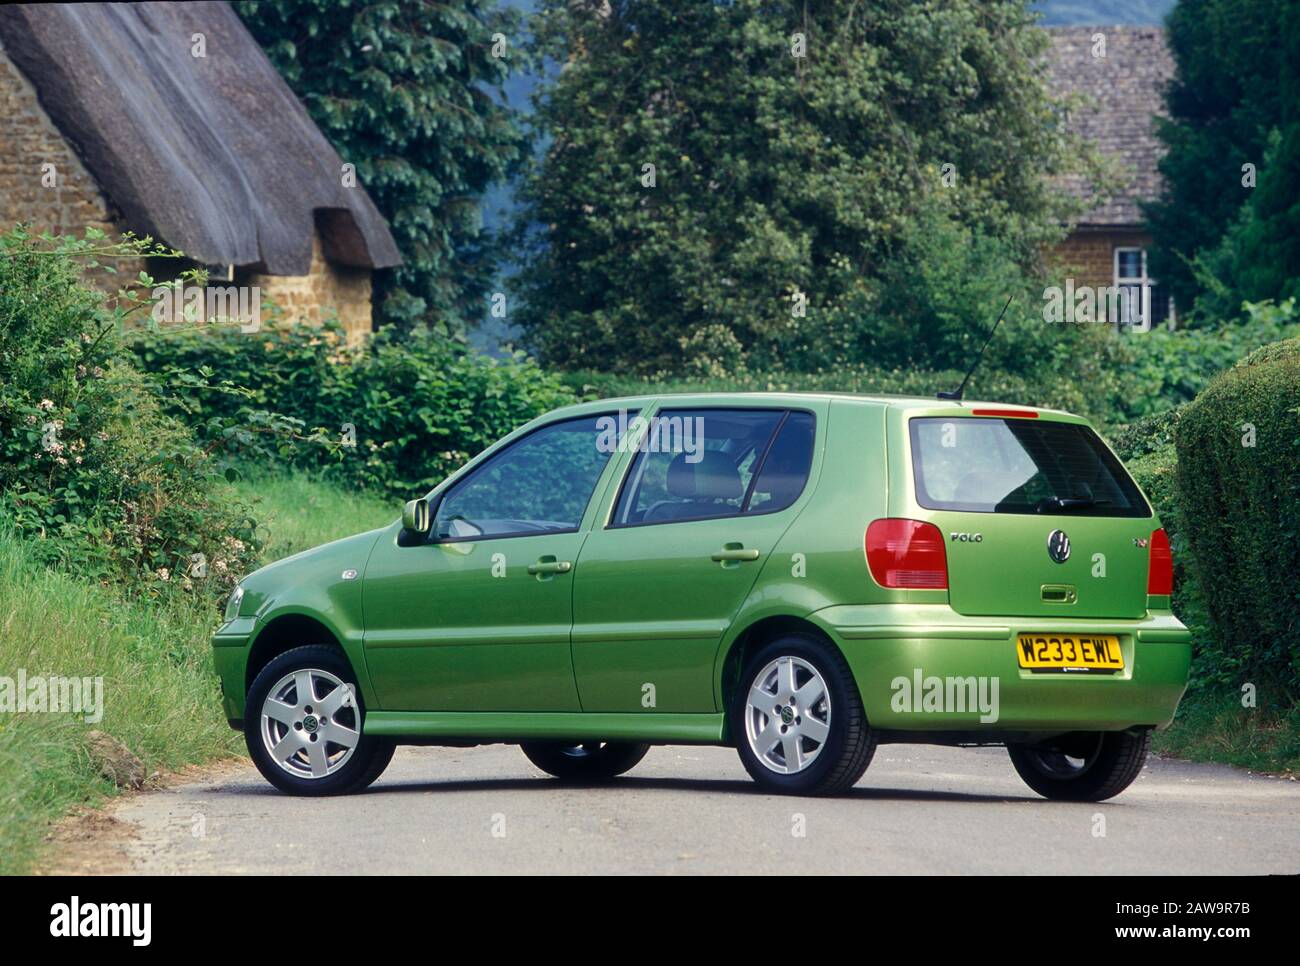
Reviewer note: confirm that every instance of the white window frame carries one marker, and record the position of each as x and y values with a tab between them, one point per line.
1144	282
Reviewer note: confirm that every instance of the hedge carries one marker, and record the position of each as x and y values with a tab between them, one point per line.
1238	479
394	416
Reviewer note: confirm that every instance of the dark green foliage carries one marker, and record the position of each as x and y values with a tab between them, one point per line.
1241	513
777	175
404	92
1164	369
89	463
1238	62
395	416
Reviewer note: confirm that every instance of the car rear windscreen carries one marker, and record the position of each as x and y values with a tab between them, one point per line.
986	465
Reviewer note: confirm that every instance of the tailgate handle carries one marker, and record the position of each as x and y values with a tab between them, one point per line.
1059	594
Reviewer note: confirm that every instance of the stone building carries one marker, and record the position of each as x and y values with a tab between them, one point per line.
167	119
1120	75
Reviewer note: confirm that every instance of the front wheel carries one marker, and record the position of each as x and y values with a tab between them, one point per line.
303	722
798	720
593	761
1082	767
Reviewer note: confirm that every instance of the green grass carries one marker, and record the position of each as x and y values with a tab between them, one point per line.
160	695
1213	726
299	512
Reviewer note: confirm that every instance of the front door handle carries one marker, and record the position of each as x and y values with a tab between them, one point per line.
549	565
734	552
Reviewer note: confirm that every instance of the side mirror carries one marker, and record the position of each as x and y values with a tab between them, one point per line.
415	517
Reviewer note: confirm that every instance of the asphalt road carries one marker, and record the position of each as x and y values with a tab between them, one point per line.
918	809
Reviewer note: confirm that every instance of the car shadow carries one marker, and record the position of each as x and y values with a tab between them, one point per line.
738	787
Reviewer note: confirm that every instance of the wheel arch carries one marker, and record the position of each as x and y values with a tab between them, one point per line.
284	633
753	636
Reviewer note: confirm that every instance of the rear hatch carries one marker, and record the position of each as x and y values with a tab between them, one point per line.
1039	518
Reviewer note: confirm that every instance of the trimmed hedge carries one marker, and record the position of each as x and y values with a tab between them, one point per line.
1241	512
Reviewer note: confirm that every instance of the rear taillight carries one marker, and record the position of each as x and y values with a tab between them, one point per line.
1160	564
907	554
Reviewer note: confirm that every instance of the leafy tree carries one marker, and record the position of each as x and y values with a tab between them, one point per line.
711	165
1234	84
405	92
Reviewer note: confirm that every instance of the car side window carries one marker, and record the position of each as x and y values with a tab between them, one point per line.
696	464
786	466
541	483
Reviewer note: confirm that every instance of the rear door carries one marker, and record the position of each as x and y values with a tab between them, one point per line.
699	510
1038	516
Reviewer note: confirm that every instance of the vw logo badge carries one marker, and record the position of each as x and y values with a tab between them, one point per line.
1058	546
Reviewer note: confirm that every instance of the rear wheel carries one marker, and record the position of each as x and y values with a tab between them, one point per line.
798	720
302	725
1083	767
592	761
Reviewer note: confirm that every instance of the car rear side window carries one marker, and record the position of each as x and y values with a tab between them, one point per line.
709	463
985	465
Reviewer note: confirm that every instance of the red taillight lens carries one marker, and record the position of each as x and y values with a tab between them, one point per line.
1160	564
907	554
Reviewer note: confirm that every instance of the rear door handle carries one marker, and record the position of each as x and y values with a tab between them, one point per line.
734	552
549	565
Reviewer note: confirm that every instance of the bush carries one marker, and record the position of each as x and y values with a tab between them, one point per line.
1170	368
394	416
89	462
1239	480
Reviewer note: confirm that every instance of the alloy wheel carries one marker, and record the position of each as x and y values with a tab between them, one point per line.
310	723
787	715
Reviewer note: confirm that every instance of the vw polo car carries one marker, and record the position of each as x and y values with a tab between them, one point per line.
797	576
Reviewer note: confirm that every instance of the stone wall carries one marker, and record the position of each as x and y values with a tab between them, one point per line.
326	291
28	141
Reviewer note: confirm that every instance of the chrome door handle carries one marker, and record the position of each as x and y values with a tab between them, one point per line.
734	553
551	567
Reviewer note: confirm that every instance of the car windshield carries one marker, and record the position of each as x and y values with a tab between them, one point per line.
1019	466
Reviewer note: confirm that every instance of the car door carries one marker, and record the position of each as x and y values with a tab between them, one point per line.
477	617
704	500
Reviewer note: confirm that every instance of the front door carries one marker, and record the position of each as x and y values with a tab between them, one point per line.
656	589
477	617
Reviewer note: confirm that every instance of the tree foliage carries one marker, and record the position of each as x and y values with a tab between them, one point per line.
405	92
779	173
1237	66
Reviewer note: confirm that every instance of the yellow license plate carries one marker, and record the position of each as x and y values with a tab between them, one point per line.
1069	652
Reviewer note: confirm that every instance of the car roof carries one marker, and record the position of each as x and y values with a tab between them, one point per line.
915	404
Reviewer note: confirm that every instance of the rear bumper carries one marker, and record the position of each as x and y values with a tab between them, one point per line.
924	667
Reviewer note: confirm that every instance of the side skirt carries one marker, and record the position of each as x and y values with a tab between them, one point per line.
655	727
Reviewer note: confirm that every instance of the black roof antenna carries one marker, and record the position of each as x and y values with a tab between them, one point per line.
956	396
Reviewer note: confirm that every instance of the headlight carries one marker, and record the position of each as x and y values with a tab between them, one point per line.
232	605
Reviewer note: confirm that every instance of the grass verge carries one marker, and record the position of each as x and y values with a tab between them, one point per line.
160	696
1213	726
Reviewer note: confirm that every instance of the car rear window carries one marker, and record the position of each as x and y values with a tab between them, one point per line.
986	465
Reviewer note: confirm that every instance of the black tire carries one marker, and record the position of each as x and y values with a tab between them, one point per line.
369	757
1085	767
586	763
849	743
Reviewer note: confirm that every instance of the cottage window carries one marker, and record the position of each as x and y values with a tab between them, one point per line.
1140	296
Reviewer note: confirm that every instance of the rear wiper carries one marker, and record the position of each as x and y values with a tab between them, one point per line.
1059	503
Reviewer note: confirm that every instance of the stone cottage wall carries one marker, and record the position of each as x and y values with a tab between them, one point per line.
29	140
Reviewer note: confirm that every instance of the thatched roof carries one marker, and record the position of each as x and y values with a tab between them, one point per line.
1124	93
213	155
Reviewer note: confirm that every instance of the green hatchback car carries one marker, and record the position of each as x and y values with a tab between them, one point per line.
798	576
